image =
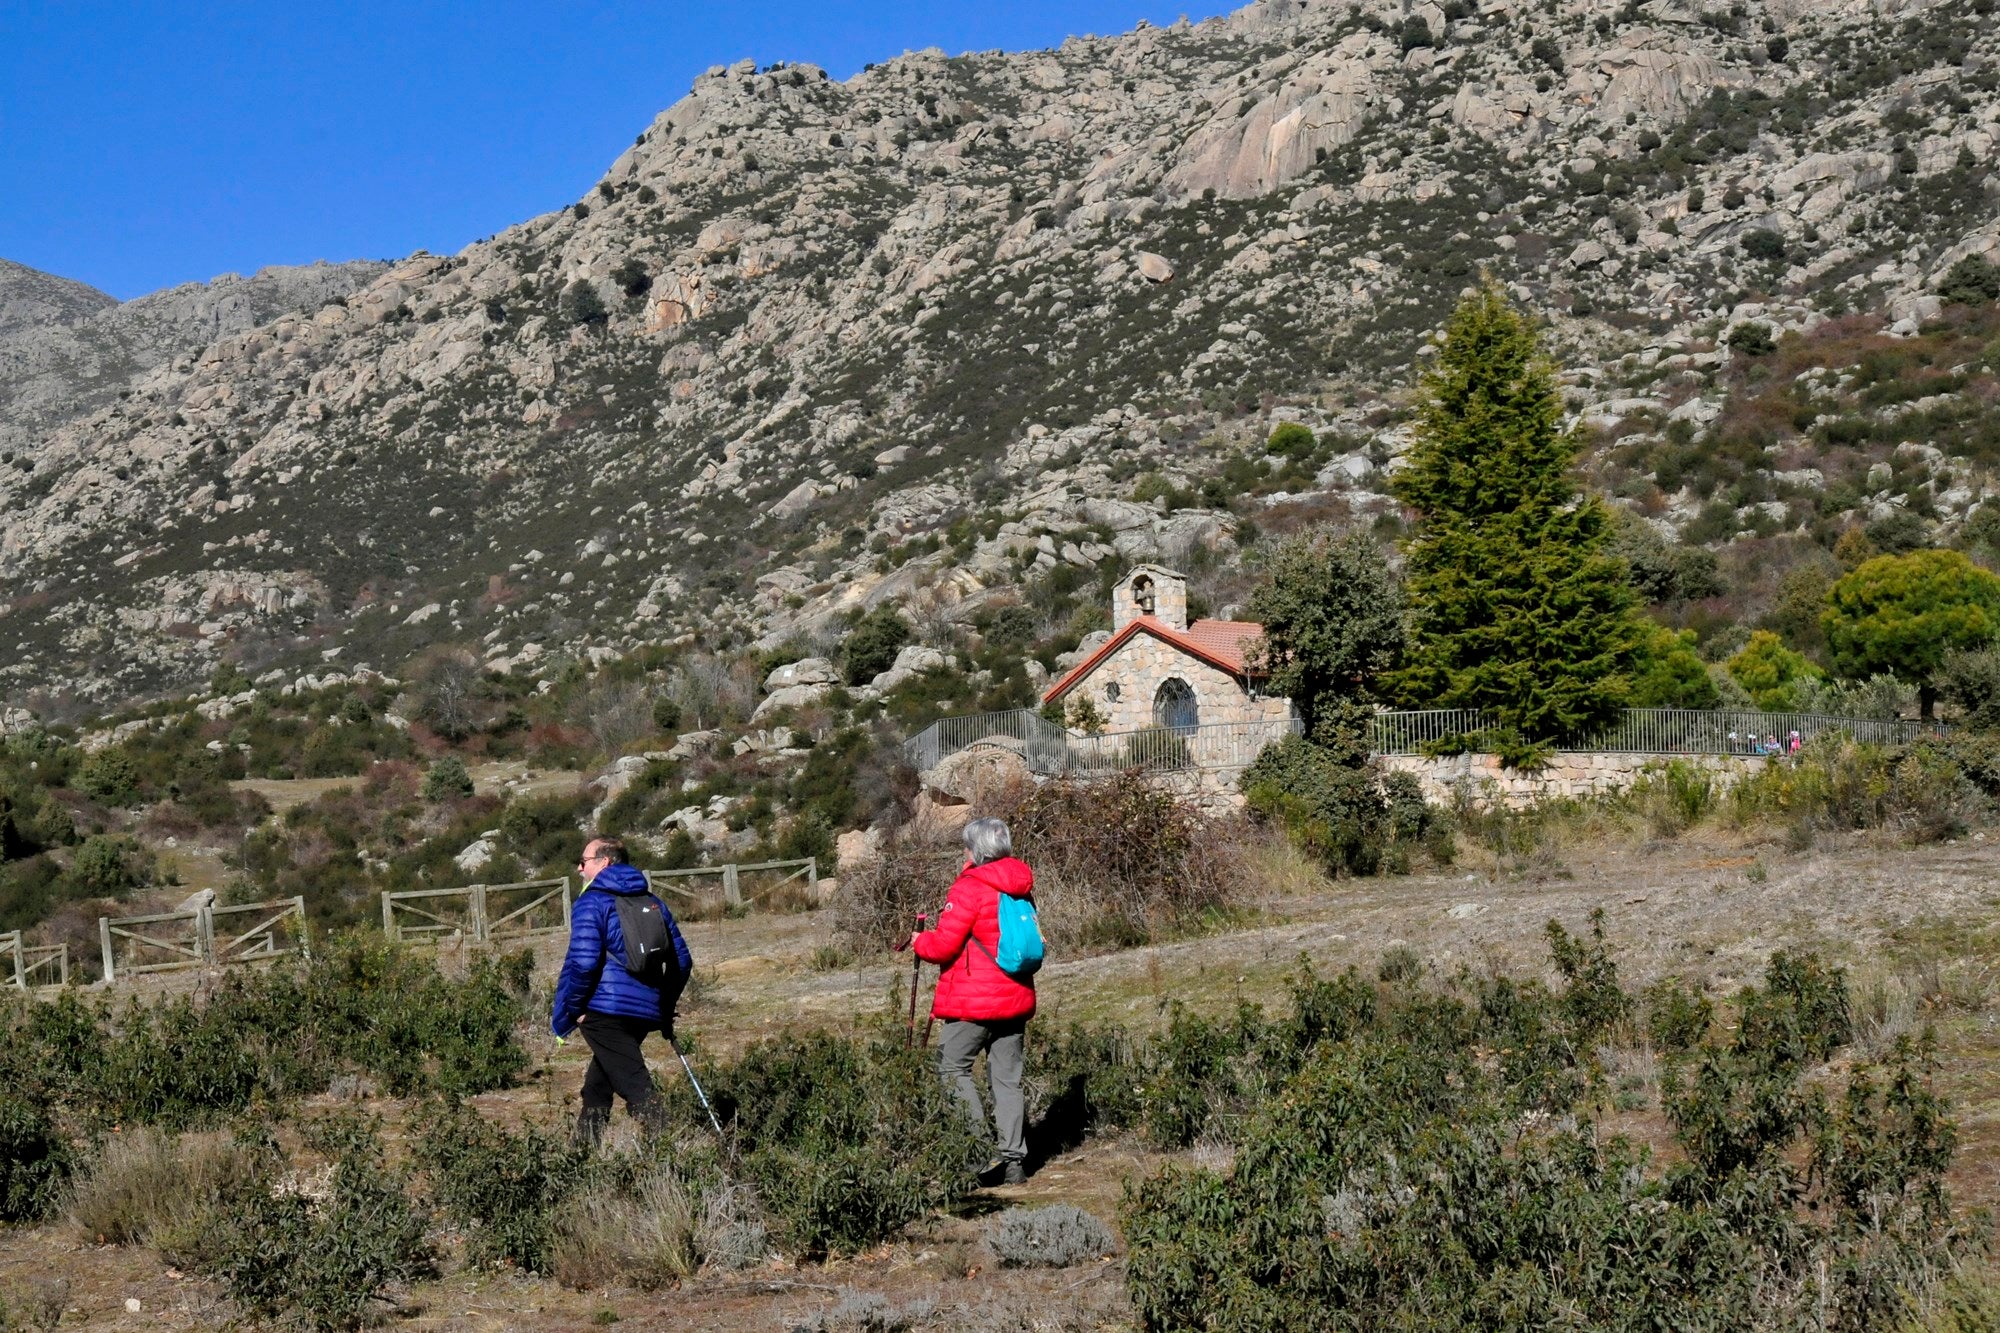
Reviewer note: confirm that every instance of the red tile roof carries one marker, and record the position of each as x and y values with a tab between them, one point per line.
1220	643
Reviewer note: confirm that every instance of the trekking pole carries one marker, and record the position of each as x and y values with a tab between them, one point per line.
695	1083
916	965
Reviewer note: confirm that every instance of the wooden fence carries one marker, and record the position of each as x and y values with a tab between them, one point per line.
478	913
205	936
28	966
731	877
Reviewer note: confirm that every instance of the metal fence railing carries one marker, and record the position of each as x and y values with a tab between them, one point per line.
1043	744
1650	730
1051	750
480	913
1176	749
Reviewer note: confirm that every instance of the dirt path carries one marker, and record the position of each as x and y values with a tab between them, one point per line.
510	777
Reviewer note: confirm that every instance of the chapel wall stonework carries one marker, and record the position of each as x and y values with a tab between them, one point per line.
1142	663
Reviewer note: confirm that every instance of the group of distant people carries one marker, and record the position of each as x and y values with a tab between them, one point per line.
1769	746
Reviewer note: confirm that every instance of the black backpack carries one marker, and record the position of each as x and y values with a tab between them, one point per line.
649	948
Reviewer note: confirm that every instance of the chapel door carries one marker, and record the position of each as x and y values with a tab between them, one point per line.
1174	707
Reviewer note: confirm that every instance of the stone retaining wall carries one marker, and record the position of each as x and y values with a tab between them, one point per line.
1568	773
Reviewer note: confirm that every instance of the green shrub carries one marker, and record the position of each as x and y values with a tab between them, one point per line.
447	780
1336	804
323	1264
1390	1181
109	775
847	1142
1973	280
35	1159
501	1189
109	866
273	1034
870	648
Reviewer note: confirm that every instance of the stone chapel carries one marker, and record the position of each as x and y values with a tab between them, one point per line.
1158	670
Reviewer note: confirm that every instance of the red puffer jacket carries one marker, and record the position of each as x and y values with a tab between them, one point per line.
971	985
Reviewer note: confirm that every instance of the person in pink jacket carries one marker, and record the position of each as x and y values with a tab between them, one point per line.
981	1007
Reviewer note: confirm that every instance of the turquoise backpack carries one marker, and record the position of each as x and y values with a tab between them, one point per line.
1020	951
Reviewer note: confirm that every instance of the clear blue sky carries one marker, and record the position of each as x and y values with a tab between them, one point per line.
143	145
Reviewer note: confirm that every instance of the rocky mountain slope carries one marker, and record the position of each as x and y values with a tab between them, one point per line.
67	350
809	345
30	299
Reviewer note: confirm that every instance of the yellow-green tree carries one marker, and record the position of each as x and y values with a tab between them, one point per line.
1769	672
1669	673
1902	613
1517	605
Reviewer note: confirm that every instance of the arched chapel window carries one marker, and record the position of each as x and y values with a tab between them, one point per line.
1174	707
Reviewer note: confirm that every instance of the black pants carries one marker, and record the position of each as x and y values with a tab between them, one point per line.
616	1066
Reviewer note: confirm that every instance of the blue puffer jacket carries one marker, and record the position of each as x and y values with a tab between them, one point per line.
594	979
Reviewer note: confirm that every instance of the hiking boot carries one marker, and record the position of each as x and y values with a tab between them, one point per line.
591	1122
1003	1171
651	1115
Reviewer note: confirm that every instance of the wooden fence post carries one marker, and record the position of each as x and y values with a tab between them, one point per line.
389	920
732	889
104	934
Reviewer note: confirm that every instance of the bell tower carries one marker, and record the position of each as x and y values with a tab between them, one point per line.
1150	590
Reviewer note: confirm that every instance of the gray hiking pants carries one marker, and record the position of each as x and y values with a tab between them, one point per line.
961	1042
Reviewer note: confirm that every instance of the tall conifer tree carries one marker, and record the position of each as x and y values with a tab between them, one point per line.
1517	606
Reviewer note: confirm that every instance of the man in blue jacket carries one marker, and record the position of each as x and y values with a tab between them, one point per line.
597	996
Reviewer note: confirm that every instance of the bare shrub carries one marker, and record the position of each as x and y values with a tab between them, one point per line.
880	899
1116	861
615	713
444	681
149	1187
1055	1237
731	1233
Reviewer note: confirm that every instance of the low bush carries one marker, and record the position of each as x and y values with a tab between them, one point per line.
847	1141
35	1159
272	1034
1922	791
1058	1236
504	1190
1390	1181
324	1262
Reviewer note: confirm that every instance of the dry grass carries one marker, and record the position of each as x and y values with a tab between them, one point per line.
150	1187
657	1233
645	1238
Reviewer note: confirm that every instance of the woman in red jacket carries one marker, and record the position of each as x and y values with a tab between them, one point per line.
983	1008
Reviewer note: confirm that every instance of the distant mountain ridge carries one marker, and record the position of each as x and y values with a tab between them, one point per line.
71	352
31	299
809	346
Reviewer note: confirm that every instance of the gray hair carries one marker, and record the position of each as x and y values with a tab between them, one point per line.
988	840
